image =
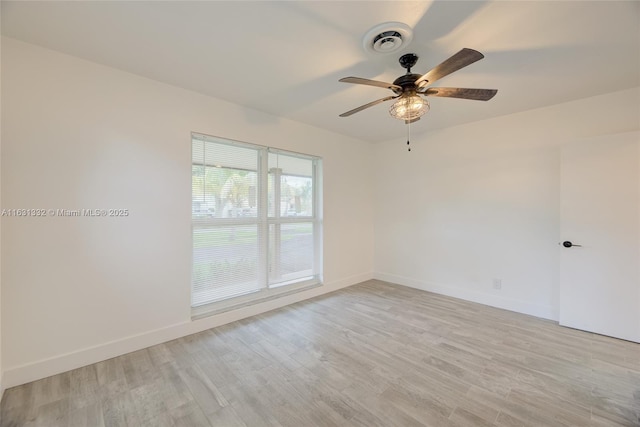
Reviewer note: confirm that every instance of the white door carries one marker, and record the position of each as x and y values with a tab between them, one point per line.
600	210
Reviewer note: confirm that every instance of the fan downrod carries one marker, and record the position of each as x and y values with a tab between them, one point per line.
408	60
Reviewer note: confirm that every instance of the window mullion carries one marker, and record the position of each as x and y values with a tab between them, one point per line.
277	241
263	213
317	219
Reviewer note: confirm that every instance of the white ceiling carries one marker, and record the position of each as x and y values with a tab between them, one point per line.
285	58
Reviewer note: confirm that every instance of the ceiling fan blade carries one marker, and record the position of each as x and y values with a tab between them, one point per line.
463	93
365	106
361	81
459	60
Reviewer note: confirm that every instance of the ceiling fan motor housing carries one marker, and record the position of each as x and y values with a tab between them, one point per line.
407	82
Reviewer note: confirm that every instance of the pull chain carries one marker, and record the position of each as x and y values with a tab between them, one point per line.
408	135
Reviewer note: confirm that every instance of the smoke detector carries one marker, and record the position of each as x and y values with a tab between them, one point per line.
387	38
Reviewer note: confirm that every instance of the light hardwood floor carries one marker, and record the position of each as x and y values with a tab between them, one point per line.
373	354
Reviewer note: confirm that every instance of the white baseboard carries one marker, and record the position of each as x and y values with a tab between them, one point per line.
22	374
511	304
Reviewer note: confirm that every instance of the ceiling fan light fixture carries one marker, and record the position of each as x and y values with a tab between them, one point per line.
409	107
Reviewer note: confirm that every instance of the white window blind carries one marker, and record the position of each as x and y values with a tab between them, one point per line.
255	221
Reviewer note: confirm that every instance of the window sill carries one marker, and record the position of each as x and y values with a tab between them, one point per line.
219	307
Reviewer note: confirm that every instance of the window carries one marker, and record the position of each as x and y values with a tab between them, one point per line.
255	222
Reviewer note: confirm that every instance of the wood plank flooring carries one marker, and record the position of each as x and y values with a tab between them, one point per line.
374	354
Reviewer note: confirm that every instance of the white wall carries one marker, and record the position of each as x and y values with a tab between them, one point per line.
481	201
80	135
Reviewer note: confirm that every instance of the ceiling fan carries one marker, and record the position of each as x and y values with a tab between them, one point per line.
409	88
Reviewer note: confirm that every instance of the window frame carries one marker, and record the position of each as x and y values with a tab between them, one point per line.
263	221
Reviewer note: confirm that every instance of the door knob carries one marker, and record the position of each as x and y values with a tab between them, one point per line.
568	244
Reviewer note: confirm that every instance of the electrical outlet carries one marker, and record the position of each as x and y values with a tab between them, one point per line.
497	283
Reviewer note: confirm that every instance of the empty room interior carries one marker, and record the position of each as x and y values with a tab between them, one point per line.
320	213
